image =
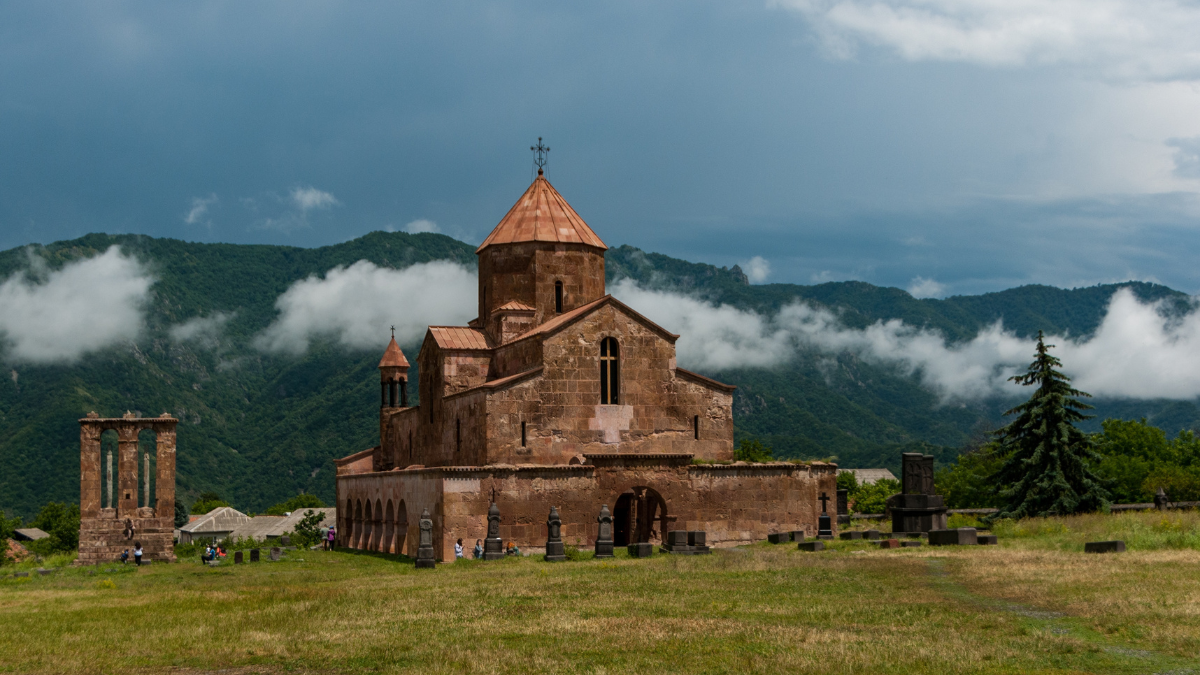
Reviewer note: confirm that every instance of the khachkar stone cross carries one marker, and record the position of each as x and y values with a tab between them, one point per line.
425	557
493	546
604	538
554	542
824	526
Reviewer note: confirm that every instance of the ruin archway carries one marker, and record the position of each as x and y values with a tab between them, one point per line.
389	528
346	524
356	537
640	516
401	527
147	450
377	526
110	469
368	538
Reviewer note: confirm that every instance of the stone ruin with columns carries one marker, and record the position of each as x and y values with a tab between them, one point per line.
558	396
110	518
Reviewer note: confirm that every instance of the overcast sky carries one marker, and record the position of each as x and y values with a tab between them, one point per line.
947	146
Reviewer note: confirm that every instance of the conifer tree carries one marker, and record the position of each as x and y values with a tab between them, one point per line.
1046	468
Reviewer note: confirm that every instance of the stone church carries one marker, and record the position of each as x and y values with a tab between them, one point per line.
558	395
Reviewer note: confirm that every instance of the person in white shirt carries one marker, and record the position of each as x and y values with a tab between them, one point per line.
137	553
458	553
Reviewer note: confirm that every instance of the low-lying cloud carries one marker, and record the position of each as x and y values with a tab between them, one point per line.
1135	353
59	316
1123	39
203	330
356	305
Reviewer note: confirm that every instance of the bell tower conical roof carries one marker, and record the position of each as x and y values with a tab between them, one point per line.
393	357
541	214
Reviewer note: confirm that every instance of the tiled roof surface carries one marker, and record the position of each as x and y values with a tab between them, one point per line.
568	317
867	476
459	337
261	527
541	214
514	306
393	357
223	519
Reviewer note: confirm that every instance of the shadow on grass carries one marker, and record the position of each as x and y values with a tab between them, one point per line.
391	557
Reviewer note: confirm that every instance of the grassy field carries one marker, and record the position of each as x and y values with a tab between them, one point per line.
1035	604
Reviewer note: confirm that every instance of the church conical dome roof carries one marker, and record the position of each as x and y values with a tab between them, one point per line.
541	214
393	357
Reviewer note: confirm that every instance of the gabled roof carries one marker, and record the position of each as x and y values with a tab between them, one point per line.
541	214
514	306
224	519
393	357
29	534
867	476
459	338
261	527
568	318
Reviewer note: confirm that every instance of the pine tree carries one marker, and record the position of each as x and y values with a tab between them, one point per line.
1046	468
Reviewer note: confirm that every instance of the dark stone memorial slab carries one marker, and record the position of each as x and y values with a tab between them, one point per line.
285	541
918	509
604	537
493	546
986	539
20	574
909	544
237	558
253	555
843	507
555	552
698	540
889	543
811	546
1160	500
779	537
824	523
963	536
873	535
426	560
643	550
1104	547
852	534
276	553
797	535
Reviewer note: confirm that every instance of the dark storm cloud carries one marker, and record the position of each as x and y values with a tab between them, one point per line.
702	130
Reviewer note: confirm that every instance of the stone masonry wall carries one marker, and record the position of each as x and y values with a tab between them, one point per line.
526	273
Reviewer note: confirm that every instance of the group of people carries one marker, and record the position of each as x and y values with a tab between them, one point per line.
458	549
214	552
137	554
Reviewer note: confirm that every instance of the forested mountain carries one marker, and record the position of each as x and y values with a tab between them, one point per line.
258	428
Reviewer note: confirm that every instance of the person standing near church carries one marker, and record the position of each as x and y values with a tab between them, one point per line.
458	552
330	537
478	549
137	553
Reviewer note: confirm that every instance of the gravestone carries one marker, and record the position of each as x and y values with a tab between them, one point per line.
918	508
604	537
555	552
873	535
797	535
963	536
1104	547
909	544
1160	500
889	543
779	537
237	558
643	550
824	523
285	541
493	546
253	555
811	546
276	553
987	539
852	534
425	557
843	507
677	542
20	574
698	540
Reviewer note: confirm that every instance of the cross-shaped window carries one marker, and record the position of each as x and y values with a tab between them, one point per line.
610	379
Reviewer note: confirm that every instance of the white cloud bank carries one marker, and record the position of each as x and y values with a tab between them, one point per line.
205	330
356	305
920	287
199	209
88	305
757	269
1135	353
308	198
1123	39
421	225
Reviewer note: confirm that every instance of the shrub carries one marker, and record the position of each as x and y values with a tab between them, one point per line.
207	502
872	497
308	530
61	522
1181	483
967	483
846	480
752	450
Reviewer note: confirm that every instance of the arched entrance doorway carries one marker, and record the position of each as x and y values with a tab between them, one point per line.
640	516
401	527
389	528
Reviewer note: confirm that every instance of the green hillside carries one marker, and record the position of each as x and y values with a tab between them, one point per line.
259	428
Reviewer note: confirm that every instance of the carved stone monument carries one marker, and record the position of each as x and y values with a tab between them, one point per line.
918	509
554	542
493	546
824	522
843	507
110	517
604	537
1160	500
425	558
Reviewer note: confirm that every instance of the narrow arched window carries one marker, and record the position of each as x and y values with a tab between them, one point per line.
522	434
457	435
696	427
558	297
610	372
